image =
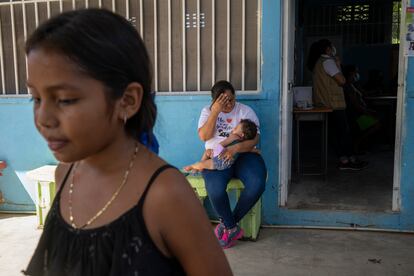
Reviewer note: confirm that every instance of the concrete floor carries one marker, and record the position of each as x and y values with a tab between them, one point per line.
324	252
18	239
277	251
367	190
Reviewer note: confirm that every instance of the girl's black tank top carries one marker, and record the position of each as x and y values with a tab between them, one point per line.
122	247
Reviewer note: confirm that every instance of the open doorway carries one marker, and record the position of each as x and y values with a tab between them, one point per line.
366	35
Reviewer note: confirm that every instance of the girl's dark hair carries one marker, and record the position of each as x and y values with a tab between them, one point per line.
219	88
249	129
107	48
316	50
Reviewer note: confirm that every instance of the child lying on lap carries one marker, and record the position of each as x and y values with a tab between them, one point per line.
213	159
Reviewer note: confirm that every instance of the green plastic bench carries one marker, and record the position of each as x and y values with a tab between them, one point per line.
251	221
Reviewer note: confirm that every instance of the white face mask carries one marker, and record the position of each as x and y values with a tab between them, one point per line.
333	51
356	77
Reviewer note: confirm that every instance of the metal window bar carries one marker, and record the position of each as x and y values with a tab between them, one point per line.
213	42
198	46
127	8
36	13
169	48
48	9
16	68
24	31
184	61
228	42
141	19
155	47
259	28
3	79
243	53
20	2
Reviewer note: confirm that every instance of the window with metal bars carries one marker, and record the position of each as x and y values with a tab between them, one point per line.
192	43
396	20
357	22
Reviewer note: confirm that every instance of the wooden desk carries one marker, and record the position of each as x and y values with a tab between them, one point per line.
318	114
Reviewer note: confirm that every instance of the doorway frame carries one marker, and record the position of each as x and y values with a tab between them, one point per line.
286	88
285	149
400	115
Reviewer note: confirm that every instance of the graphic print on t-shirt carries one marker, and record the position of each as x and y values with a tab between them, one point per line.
223	127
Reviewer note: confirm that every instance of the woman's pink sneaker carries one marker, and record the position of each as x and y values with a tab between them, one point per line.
219	230
230	237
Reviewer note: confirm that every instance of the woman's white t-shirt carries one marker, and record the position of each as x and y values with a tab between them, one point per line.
227	121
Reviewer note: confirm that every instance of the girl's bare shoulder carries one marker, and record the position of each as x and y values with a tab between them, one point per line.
170	179
168	184
61	170
173	211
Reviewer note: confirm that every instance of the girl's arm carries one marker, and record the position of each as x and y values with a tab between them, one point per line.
179	226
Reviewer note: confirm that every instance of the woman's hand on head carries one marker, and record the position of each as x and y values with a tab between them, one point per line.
220	103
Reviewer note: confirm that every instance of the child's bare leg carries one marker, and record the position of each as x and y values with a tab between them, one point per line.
207	154
199	166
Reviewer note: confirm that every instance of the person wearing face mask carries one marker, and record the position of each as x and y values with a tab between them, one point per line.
328	82
364	122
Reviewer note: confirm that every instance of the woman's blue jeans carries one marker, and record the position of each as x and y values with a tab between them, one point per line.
250	168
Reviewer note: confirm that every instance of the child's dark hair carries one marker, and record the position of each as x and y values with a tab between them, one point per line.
249	129
219	88
107	48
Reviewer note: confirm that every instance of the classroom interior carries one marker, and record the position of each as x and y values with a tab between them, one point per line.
366	34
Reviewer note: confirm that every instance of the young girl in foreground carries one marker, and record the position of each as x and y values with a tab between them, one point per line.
119	210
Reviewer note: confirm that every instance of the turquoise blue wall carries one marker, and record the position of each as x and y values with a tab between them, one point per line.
176	130
407	170
23	149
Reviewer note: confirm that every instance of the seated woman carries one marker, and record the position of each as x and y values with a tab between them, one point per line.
215	125
363	121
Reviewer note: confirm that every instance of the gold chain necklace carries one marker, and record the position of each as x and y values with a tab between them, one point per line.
101	211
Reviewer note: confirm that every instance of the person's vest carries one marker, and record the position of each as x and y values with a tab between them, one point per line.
326	92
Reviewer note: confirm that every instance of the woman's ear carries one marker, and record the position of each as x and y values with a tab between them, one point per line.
131	101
